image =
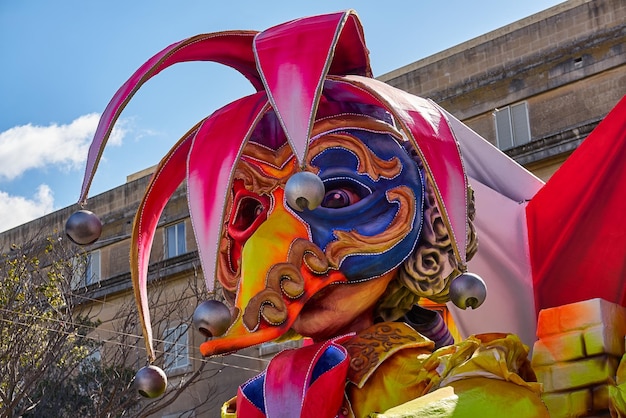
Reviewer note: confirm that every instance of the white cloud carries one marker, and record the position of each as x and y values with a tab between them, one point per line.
29	146
16	210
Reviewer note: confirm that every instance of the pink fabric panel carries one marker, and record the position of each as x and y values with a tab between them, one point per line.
325	395
490	166
503	263
293	68
576	222
245	408
215	149
229	48
289	391
351	54
169	174
438	147
501	189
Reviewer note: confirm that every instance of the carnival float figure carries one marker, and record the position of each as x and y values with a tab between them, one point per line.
326	205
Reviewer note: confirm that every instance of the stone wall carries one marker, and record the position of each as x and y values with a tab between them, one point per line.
568	62
577	355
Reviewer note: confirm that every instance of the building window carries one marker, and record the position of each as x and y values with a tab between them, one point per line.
512	125
92	273
86	269
175	240
176	347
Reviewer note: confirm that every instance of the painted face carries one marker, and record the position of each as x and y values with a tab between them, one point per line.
370	218
274	260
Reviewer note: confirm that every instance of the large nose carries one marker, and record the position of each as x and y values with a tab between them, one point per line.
280	271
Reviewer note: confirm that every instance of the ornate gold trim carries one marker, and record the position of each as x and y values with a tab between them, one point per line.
351	242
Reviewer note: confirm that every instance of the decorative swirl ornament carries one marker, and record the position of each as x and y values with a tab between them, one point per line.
284	284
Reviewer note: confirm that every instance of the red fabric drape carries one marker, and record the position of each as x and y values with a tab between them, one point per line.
577	222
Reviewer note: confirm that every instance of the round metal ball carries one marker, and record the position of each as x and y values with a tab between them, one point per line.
304	190
83	227
468	291
151	381
212	318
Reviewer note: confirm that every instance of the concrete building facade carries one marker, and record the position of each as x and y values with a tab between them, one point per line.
553	76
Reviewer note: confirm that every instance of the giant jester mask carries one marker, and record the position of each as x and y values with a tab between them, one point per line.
309	197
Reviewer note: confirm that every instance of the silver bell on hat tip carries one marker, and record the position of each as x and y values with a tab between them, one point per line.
468	291
150	381
83	227
304	190
212	318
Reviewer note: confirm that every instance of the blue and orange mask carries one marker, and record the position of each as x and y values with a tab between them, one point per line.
316	110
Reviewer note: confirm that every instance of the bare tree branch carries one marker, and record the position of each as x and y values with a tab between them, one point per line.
58	357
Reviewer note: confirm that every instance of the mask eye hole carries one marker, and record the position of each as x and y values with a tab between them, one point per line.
339	198
343	193
249	210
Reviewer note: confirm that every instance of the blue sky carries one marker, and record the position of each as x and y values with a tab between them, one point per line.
63	60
